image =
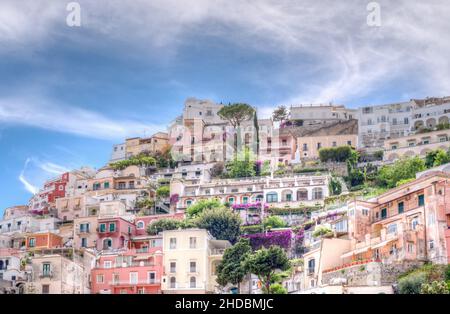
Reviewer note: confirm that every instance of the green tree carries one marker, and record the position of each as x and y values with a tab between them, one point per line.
272	222
242	166
230	269
440	158
277	288
222	223
256	125
280	114
161	225
402	169
201	205
163	191
335	186
265	262
236	114
412	283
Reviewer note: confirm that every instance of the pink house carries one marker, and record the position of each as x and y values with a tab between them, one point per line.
129	272
114	233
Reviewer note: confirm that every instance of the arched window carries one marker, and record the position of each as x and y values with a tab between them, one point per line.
140	224
272	197
173	282
317	193
192	282
302	195
259	198
188	203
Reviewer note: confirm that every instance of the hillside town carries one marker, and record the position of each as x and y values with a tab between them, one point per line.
316	199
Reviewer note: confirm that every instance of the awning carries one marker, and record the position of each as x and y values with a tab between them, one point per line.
355	252
142	257
384	243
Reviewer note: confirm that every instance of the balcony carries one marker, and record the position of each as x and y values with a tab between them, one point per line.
135	283
217	251
46	274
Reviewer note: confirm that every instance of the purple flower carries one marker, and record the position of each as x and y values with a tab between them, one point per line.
280	238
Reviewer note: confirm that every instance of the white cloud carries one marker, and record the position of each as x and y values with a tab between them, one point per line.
328	40
27	185
68	119
36	171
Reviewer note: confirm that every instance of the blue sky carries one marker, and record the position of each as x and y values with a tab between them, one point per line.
68	94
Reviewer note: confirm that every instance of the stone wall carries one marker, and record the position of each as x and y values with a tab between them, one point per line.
369	274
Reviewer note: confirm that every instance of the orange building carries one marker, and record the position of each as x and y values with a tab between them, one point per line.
46	240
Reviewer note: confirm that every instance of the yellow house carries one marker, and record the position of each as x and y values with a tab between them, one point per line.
190	258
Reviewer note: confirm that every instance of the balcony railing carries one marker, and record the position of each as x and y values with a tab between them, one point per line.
46	274
134	283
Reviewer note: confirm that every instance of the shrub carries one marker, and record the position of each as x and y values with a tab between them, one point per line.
161	225
336	154
222	223
273	222
251	229
201	205
279	238
412	283
436	287
277	288
335	186
321	231
163	191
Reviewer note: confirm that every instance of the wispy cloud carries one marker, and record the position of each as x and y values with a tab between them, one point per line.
332	53
69	119
35	171
27	185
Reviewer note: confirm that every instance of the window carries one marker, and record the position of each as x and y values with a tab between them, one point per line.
140	225
410	248
83	242
401	207
173	267
319	145
100	278
192	242
188	203
32	242
305	147
96	186
288	197
392	229
406	121
133	278
46	269
192	282
198	173
245	200
112	227
173	243
365	212
334	144
45	289
349	143
152	277
107	244
107	264
384	213
394	147
311	266
102	227
272	197
192	267
173	282
231	200
141	291
84	228
431	244
421	200
414	223
317	193
106	185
